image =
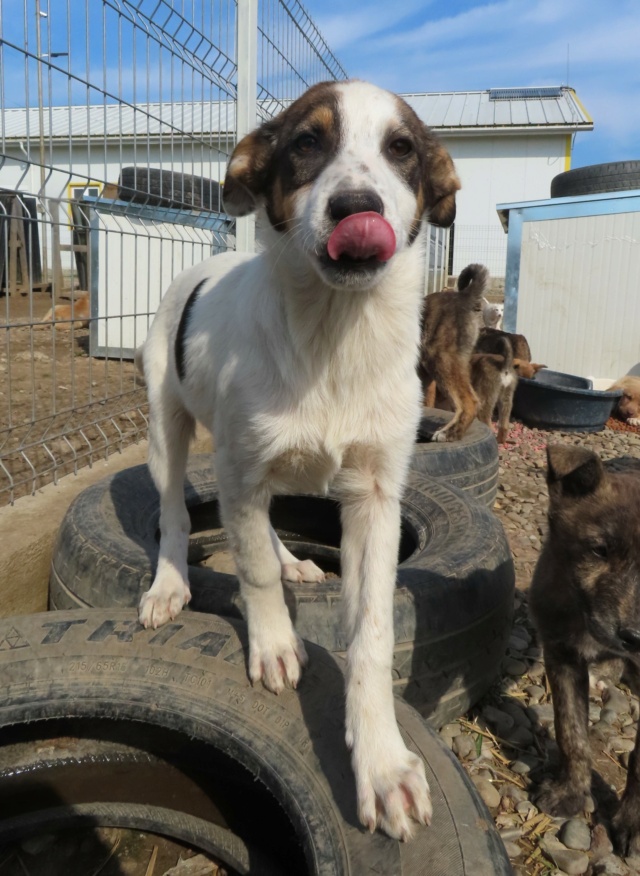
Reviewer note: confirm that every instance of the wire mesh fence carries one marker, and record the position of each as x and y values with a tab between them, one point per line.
117	119
486	244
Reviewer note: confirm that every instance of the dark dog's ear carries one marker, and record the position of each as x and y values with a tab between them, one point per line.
572	471
247	177
441	185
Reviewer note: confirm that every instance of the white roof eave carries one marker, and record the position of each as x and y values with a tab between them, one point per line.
511	129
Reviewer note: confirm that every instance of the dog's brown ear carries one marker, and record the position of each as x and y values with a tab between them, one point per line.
572	471
247	177
441	185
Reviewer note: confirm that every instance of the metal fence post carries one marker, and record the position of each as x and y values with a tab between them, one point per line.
152	118
247	99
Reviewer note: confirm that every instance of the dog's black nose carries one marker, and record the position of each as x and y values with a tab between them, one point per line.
347	203
630	637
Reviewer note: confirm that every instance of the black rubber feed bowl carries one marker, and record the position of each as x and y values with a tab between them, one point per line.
554	400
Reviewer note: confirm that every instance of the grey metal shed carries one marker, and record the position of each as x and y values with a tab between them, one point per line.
572	281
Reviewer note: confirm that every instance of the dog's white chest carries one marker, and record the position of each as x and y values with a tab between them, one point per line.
303	470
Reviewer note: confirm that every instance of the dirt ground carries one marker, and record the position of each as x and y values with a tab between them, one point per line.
59	407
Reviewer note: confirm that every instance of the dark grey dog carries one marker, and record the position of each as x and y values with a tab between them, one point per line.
585	602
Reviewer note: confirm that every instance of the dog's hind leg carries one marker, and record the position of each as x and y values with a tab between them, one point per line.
465	402
276	652
293	569
505	404
170	430
430	390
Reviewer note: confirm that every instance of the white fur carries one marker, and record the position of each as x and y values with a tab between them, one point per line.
307	385
492	314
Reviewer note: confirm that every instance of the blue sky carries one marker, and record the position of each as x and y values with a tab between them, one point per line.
460	45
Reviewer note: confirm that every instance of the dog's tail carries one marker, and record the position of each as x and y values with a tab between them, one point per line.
504	348
473	282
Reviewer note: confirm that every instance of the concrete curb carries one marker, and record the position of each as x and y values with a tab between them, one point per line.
28	528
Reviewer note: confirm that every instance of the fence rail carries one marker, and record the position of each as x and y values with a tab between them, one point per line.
117	118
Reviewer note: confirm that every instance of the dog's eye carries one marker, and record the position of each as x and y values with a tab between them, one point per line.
400	148
600	550
306	143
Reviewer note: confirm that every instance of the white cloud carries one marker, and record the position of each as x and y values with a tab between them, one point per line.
342	30
505	43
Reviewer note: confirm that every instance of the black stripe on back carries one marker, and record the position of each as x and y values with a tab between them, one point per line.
182	330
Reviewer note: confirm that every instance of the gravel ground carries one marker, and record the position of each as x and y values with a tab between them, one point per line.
504	742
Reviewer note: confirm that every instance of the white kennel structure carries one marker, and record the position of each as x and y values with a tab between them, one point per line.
572	281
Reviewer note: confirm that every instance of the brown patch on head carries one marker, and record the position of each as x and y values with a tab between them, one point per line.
442	183
428	169
321	117
284	155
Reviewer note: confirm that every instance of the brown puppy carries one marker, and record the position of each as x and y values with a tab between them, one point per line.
628	408
79	310
527	369
490	340
585	602
450	326
494	378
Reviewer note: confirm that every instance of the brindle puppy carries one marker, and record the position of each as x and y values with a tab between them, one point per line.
585	601
450	326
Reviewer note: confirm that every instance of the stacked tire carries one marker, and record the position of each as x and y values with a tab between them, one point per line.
262	783
454	594
105	723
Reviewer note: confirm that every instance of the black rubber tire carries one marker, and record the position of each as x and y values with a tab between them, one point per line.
195	832
453	602
190	677
169	188
614	176
470	464
60	783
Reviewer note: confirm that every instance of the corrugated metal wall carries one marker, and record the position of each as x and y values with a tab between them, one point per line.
579	293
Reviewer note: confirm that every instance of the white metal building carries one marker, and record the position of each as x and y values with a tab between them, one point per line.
508	144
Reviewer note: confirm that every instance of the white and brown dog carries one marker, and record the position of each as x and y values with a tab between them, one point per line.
302	362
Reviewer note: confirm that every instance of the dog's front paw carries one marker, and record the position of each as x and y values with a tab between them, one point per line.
302	570
625	829
561	798
393	793
276	658
439	435
634	421
164	600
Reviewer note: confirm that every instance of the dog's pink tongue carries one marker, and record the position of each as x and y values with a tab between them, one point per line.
362	236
